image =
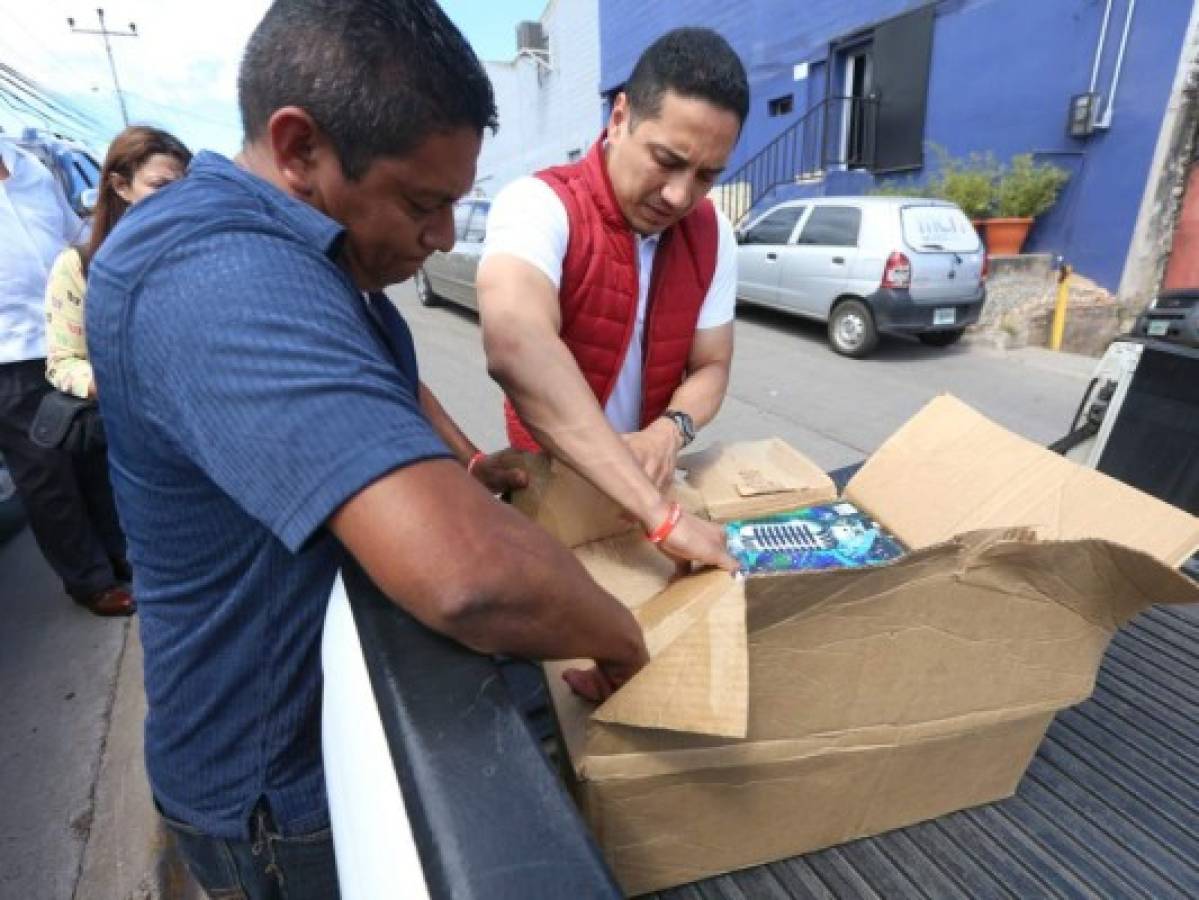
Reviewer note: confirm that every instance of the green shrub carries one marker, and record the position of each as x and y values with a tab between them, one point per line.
1027	188
983	188
899	189
969	182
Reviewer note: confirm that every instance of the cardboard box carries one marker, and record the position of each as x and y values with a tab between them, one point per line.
787	713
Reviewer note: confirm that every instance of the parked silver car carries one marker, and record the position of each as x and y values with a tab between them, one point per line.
451	276
866	265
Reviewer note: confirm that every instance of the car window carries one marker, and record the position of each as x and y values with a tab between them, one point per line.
86	168
462	213
476	229
832	226
775	227
943	228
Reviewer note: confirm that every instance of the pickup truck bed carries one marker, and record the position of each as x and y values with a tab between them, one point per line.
1109	807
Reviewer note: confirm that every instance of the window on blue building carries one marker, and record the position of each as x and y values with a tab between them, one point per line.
781	106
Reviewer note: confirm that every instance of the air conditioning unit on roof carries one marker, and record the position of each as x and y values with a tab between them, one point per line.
531	37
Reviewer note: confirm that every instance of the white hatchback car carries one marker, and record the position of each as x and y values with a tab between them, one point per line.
866	265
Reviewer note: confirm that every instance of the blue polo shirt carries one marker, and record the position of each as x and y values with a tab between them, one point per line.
248	391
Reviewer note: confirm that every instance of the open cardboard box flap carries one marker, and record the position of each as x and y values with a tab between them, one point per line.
950	470
755	478
780	714
981	622
989	627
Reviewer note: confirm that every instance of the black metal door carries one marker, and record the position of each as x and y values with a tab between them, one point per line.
902	53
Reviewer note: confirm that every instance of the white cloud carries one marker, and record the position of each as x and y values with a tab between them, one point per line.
180	72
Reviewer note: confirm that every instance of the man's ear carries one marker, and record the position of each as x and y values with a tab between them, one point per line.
295	145
620	119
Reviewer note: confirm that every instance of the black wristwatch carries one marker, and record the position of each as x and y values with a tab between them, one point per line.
683	422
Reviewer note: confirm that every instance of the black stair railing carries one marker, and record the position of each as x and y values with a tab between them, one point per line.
837	132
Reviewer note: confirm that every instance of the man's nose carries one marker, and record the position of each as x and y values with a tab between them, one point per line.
439	235
676	193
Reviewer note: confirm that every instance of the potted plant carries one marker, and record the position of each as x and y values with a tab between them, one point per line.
1025	190
969	183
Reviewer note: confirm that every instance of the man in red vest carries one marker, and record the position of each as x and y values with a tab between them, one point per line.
607	288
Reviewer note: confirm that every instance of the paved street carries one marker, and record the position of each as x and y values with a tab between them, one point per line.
788	383
59	665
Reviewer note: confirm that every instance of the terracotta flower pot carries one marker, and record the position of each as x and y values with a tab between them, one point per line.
1005	237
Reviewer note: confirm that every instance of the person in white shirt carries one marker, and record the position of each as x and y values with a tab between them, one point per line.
607	288
68	500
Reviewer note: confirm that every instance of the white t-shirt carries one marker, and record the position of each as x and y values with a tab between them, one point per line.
528	221
35	224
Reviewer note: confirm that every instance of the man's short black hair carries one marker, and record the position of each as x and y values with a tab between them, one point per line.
696	63
377	76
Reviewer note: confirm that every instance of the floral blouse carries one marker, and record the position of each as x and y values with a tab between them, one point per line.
67	365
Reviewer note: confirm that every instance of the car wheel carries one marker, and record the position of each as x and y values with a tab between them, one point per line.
851	329
941	338
424	290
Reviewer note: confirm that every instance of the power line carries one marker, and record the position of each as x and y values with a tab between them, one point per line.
25	108
38	106
83	106
56	113
29	86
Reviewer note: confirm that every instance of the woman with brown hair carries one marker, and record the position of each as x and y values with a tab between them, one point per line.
140	160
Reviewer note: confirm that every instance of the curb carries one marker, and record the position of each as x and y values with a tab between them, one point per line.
129	854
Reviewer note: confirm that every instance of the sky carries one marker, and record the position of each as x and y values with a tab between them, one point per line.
180	73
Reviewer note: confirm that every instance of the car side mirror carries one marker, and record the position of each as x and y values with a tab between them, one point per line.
739	234
88	198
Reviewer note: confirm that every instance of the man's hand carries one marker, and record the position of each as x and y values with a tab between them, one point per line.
695	539
601	682
501	472
656	449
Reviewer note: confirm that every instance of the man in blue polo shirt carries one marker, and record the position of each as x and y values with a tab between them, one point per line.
265	416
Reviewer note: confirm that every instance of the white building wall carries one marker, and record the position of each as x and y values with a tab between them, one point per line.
545	116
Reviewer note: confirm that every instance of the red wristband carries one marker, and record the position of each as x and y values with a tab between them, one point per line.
662	532
474	461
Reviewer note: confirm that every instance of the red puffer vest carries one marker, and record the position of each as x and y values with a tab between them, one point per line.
598	290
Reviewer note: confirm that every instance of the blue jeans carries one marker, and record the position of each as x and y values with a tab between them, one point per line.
267	867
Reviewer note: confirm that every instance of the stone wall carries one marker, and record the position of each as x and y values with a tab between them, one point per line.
1021	293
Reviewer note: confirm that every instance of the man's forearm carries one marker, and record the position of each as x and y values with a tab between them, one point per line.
702	393
447	429
542	379
478	571
541	603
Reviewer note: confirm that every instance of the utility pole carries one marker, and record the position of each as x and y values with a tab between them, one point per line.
106	34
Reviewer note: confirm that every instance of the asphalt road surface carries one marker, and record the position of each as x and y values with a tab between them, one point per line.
58	664
788	383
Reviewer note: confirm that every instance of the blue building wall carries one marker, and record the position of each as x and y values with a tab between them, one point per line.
1001	75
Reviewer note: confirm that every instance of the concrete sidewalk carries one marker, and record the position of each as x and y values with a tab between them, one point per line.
77	822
